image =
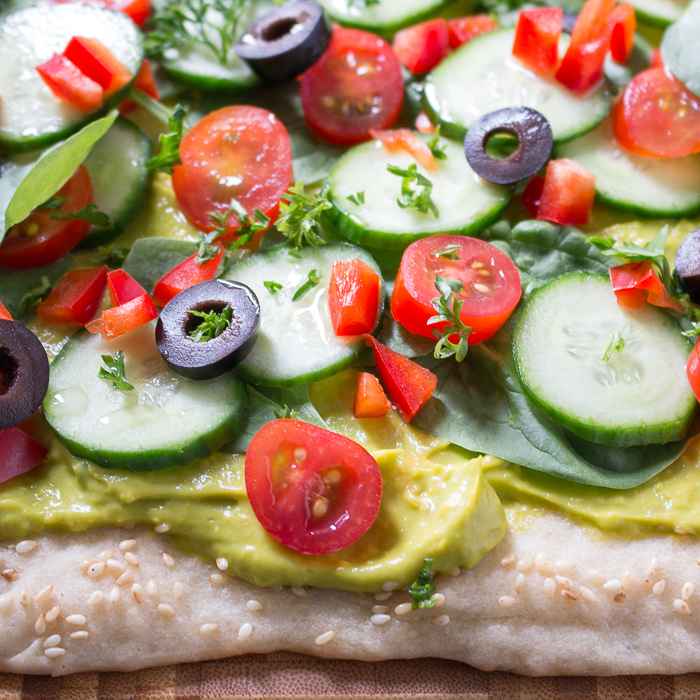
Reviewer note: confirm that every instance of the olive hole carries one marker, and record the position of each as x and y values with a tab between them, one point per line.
193	322
501	144
278	29
8	370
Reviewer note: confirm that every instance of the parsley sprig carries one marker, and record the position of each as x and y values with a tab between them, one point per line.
423	588
212	325
436	148
448	307
33	298
114	372
169	155
300	217
313	280
617	344
112	255
286	412
272	286
89	213
418	197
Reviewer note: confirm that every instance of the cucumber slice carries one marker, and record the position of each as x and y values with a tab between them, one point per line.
117	167
466	203
31	117
296	343
659	13
644	186
639	396
483	76
166	421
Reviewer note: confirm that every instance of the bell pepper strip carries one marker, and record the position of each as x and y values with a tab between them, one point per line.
623	23
567	193
423	124
421	47
408	384
97	62
76	298
124	318
146	83
68	83
370	399
636	283
123	287
185	275
20	453
692	370
5	315
536	41
532	194
581	68
463	29
405	140
353	297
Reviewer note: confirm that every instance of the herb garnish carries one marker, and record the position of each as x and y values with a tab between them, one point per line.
357	198
422	589
300	217
617	343
314	278
212	326
89	213
33	298
286	412
363	3
449	252
418	198
448	307
169	155
272	287
115	372
113	256
436	149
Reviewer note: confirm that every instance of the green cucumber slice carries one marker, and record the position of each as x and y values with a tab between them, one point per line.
465	202
639	396
166	421
117	167
296	343
483	76
649	187
31	117
659	13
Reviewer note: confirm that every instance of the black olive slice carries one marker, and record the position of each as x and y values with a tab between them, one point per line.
687	264
208	358
534	135
286	41
24	373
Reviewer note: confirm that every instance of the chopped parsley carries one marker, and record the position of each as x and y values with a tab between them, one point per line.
114	372
617	343
421	590
448	307
313	280
169	155
89	213
33	298
418	198
113	256
272	287
300	217
435	147
286	412
213	324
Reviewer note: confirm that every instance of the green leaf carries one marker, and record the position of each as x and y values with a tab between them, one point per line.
448	308
169	155
33	298
422	589
300	216
89	213
150	258
16	284
55	167
212	326
313	280
114	372
680	48
418	197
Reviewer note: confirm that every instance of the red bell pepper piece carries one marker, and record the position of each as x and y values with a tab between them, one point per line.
95	60
69	84
146	82
657	60
405	140
5	315
185	275
123	287
636	283
530	198
370	399
567	193
408	384
423	124
464	29
124	318
353	297
582	66
537	39
623	24
76	298
20	453
421	47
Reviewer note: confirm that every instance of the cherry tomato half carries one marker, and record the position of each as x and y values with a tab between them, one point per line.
312	490
39	239
491	284
236	152
354	87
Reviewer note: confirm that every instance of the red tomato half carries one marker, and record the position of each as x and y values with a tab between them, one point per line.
657	116
421	47
39	239
354	87
236	152
312	490
491	285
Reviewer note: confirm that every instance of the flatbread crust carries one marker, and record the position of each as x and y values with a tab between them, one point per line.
483	620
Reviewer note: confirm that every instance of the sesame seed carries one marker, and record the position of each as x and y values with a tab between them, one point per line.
53	614
613	585
390	585
687	591
115	566
510	559
544	566
126	545
44	594
166	610
40	624
299	454
401	609
681	607
125	578
107	554
54	652
162	528
131	559
380	609
439	599
95	569
588	595
680	531
569	595
26	598
83	566
253	606
167	559
653	566
222	563
114	595
380	619
564	565
299	591
96	597
53	641
178	589
626	580
208	628
216	579
549	587
152	587
596	578
620	597
137	592
381	597
76	620
519	581
25	546
564	582
246	629
9	575
506	601
526	565
5	603
323	638
80	634
441	621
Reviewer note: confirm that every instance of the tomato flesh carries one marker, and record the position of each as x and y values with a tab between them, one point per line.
236	152
76	298
491	285
464	29
20	453
567	195
536	41
405	140
624	24
636	283
353	297
354	87
68	83
313	490
370	399
421	47
125	317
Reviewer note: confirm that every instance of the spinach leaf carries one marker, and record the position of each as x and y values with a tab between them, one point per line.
480	406
51	172
16	284
150	258
680	48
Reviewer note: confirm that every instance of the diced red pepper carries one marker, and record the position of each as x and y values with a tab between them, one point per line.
582	66
693	370
95	60
146	82
185	275
567	193
537	39
5	315
124	318
623	23
123	287
530	198
423	123
353	297
636	283
421	47
69	84
370	399
408	384
76	298
464	29
405	140
20	453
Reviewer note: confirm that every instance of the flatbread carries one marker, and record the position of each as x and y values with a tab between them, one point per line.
484	621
